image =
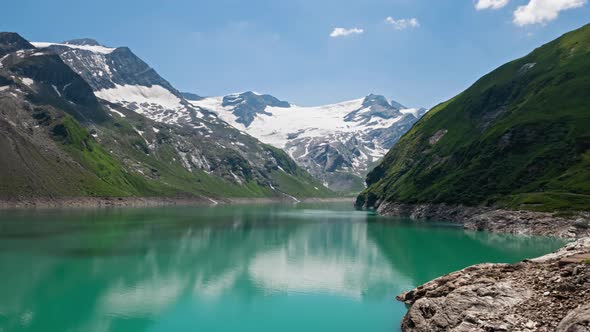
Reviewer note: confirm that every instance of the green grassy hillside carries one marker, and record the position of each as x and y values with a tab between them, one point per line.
518	138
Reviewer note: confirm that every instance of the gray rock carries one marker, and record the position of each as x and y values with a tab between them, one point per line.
491	219
577	320
531	296
581	223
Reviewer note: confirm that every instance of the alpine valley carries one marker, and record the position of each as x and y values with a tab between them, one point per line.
87	125
338	144
79	119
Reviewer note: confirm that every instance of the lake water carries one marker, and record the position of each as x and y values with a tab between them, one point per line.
306	267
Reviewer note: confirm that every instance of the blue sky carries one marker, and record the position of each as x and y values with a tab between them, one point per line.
285	48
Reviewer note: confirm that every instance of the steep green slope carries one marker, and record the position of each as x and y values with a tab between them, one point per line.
518	138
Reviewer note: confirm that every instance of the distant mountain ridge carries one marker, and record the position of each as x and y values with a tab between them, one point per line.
89	120
83	42
338	144
338	158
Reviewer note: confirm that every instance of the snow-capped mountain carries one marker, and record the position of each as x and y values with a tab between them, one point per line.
338	143
199	139
119	76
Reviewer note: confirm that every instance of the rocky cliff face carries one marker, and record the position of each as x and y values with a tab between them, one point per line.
105	67
495	220
248	105
550	293
12	42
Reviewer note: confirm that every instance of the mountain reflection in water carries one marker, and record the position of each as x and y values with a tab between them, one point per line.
226	267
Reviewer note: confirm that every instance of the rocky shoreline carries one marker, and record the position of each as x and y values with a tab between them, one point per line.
549	293
494	220
110	202
98	202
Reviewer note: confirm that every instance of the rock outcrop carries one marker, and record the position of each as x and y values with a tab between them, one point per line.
550	293
578	320
495	220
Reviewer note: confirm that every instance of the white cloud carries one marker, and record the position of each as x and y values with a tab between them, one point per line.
342	32
490	4
403	23
542	11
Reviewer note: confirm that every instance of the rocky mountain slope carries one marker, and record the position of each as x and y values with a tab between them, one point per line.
518	138
338	144
139	138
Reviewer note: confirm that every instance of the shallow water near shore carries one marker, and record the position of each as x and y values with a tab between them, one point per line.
273	267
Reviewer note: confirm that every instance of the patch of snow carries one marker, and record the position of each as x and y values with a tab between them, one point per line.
213	104
56	90
117	112
3	58
95	49
141	134
28	82
153	102
238	180
4	88
413	111
185	161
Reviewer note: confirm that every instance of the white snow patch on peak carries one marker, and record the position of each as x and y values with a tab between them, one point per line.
413	111
28	82
212	103
244	92
140	94
91	48
319	121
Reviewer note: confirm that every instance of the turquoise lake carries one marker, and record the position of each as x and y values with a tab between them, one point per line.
304	267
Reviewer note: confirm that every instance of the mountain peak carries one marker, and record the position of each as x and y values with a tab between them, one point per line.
373	99
191	96
83	42
11	42
248	104
380	100
249	93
